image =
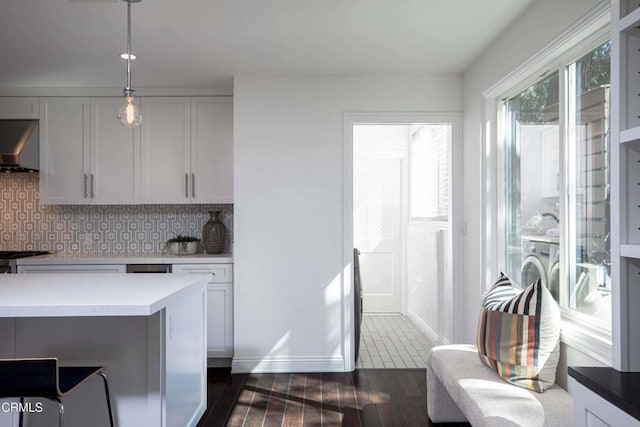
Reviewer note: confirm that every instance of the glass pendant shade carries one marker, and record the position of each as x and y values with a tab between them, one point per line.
129	114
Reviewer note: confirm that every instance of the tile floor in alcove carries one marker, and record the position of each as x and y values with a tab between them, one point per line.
391	341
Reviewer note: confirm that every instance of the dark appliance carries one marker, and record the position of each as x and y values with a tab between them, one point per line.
8	263
19	148
357	302
149	268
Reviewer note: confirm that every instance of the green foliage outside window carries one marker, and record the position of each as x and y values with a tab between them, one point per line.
533	104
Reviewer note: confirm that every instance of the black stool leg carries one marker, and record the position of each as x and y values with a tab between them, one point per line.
106	392
60	412
20	413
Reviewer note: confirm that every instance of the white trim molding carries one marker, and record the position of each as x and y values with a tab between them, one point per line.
594	344
225	91
580	32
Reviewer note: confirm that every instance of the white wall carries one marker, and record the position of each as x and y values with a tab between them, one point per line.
288	175
544	21
429	290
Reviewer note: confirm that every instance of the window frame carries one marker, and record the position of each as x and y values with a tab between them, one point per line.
579	330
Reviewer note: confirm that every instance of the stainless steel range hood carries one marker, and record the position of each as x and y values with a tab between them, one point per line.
18	146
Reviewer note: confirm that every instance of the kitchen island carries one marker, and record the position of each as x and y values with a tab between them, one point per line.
149	331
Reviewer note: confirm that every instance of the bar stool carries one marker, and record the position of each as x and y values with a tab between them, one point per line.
42	377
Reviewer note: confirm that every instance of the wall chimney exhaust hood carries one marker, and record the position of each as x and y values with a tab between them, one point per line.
18	146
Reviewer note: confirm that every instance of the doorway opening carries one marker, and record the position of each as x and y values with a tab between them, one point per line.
399	217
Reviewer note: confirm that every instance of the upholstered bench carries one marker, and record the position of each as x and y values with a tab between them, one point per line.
461	388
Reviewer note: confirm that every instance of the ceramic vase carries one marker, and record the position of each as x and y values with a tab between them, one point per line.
214	234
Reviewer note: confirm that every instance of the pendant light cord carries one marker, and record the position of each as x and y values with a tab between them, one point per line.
128	45
129	115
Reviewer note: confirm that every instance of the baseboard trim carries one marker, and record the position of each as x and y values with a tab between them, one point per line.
426	329
217	362
287	364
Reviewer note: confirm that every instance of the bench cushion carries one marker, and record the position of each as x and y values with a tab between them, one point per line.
485	399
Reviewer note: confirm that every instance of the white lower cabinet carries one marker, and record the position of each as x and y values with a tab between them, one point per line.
592	410
72	268
219	296
219	306
219	320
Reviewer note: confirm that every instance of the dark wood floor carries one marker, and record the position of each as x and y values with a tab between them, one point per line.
366	397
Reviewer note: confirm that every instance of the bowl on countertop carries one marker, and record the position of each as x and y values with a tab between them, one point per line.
183	248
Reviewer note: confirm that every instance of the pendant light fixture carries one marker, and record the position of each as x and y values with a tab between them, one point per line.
129	114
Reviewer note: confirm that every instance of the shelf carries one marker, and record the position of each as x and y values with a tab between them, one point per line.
630	251
625	184
630	21
630	135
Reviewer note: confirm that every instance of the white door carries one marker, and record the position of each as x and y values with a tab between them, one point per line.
377	185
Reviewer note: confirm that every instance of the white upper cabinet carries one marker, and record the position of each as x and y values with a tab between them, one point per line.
211	150
87	156
64	141
115	154
182	152
165	170
187	150
21	107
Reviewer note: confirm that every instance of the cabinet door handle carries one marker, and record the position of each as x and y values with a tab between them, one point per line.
85	186
92	194
193	185
186	185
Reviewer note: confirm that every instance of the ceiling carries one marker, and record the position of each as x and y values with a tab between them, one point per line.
203	43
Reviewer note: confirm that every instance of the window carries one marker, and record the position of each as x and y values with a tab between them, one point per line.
532	178
429	171
555	174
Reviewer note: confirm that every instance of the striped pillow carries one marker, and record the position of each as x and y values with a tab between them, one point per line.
518	334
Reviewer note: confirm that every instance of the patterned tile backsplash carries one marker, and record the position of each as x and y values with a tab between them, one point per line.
94	229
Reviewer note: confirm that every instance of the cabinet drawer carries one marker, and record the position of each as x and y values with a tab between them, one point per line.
220	273
68	268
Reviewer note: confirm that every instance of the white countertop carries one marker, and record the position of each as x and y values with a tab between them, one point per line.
56	259
64	295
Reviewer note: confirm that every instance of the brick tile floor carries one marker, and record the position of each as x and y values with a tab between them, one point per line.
391	341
